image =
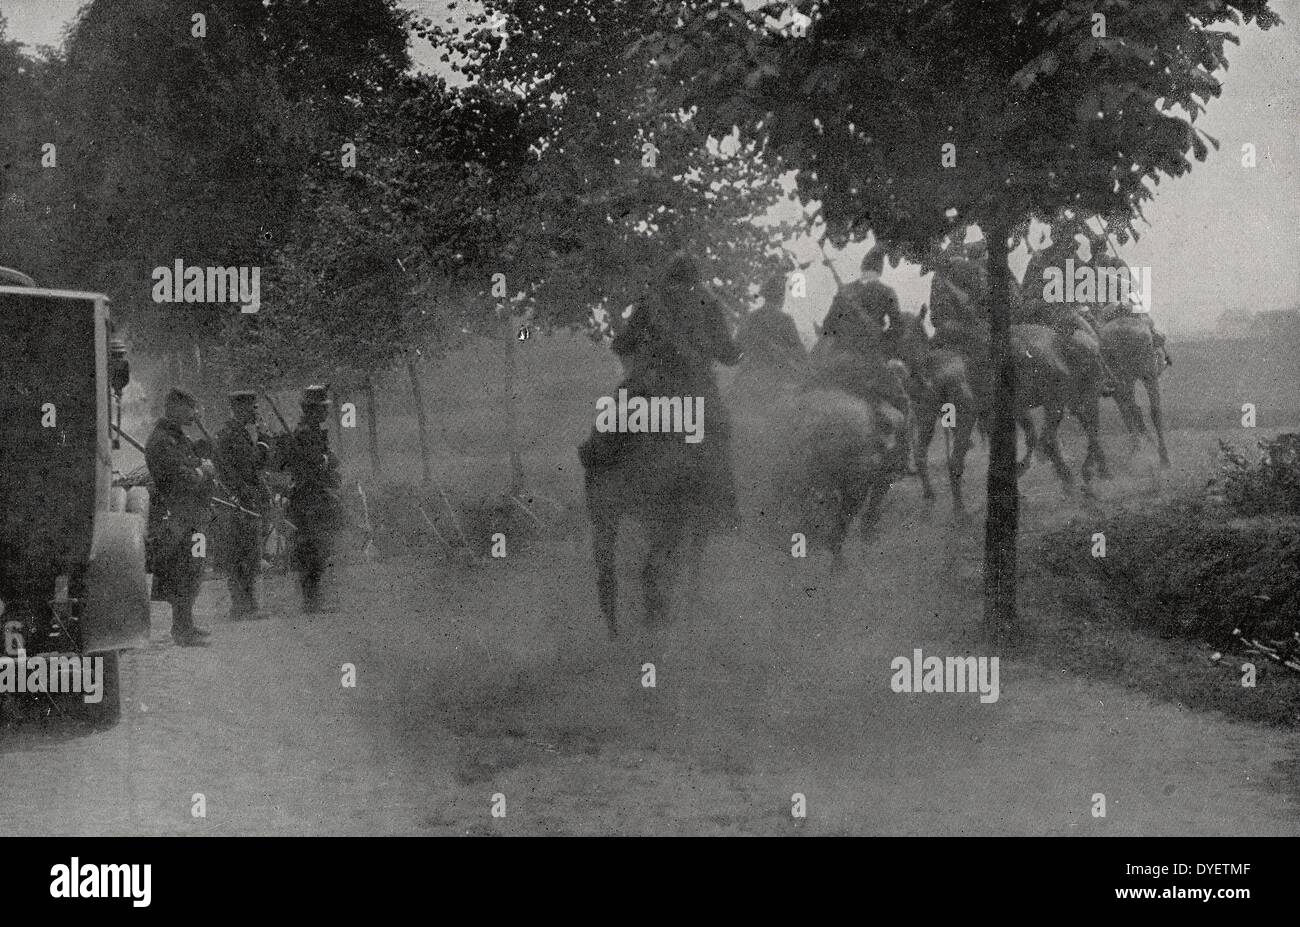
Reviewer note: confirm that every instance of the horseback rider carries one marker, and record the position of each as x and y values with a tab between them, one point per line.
862	324
668	347
857	351
958	295
767	336
1103	257
1080	336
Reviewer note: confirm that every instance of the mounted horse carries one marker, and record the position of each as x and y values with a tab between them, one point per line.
679	490
954	368
1129	344
821	440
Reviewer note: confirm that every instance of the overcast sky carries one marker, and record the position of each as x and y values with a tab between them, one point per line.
1223	237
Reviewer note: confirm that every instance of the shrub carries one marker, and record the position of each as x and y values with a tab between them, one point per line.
1263	483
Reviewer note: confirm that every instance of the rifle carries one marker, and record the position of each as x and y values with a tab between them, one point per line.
217	482
276	410
129	440
140	447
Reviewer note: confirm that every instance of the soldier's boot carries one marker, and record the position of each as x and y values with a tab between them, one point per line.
239	598
184	632
313	602
310	594
242	583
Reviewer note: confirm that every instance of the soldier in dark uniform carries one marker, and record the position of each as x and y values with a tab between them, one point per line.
242	453
958	297
314	496
1079	335
767	336
1103	258
180	510
860	328
668	346
864	311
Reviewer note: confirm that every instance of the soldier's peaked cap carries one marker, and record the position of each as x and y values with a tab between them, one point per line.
242	395
177	395
315	396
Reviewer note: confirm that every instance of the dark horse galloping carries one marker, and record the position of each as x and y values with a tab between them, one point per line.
954	373
676	489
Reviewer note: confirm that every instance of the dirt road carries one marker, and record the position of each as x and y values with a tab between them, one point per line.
498	680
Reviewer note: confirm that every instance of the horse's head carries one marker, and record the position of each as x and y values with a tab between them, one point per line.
910	339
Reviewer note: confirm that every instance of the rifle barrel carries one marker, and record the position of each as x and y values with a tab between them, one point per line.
276	410
129	440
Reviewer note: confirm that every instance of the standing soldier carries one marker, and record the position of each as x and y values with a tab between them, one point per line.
242	454
314	496
179	514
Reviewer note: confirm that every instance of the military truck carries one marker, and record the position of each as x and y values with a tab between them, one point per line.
72	556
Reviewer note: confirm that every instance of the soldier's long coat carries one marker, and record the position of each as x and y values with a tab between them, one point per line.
179	510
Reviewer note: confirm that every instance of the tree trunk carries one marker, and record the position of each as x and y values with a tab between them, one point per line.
372	426
516	460
426	465
1000	526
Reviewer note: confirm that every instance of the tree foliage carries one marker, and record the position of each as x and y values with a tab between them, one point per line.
621	177
1050	105
173	145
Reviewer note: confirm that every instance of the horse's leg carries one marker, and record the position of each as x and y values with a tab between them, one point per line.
1050	443
663	538
961	443
845	510
874	505
604	546
1129	412
1089	415
1025	419
1152	385
926	417
697	541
